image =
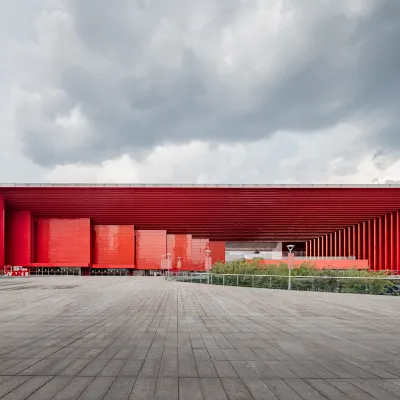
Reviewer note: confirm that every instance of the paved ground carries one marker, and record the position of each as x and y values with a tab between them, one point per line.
67	338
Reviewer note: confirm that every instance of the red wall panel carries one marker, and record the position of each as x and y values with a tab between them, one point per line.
217	251
151	245
199	247
180	246
19	238
2	230
113	244
63	241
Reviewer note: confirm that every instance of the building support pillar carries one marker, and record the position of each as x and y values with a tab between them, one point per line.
392	241
2	232
365	242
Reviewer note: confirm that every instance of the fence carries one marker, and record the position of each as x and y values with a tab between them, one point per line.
334	284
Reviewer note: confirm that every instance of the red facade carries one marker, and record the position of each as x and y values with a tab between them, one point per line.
62	241
180	246
199	247
113	245
81	225
217	251
151	247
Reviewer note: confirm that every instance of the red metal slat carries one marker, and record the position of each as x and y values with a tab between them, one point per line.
213	212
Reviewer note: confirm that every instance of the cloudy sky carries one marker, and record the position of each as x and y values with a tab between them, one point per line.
200	91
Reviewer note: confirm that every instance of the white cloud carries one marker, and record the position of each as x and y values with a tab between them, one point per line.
191	92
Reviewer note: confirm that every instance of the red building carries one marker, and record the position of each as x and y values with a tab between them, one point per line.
133	227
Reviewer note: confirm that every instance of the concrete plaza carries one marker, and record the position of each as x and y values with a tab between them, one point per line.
67	338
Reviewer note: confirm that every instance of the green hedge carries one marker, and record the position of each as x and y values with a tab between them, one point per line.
306	269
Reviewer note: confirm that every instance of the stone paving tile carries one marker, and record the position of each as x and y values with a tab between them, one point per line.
27	388
144	388
51	388
144	338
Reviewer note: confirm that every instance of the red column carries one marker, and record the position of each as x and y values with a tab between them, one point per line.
340	247
381	244
322	246
365	240
397	242
344	243
2	233
318	247
386	240
376	243
306	248
331	252
354	236
327	246
19	238
350	236
392	241
335	244
371	243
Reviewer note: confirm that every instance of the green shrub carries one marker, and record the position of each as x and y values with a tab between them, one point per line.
314	279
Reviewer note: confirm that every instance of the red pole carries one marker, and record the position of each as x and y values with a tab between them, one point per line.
350	244
364	243
397	238
375	238
340	250
344	244
322	246
381	244
371	243
327	246
318	247
331	244
335	235
392	241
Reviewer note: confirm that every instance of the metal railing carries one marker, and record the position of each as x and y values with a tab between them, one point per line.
389	285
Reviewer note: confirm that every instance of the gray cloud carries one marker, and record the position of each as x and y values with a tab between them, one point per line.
145	73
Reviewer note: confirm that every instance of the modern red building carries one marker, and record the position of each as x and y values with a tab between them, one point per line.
133	227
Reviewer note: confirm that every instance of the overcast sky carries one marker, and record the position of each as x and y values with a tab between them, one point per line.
200	91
